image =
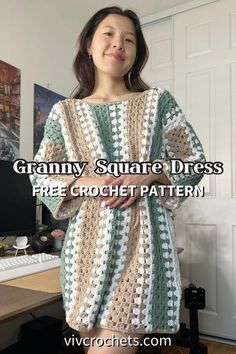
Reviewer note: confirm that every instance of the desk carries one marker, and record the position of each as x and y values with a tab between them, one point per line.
29	293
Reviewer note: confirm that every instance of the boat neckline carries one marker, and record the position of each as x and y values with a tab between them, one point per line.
140	94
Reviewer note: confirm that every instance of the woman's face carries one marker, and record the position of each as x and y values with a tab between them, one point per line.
113	47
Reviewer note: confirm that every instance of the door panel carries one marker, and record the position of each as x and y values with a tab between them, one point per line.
204	84
193	55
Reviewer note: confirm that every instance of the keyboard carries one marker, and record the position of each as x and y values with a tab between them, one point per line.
20	266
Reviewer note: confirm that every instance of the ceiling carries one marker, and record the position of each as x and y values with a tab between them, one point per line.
141	7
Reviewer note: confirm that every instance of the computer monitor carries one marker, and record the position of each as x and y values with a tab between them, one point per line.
17	204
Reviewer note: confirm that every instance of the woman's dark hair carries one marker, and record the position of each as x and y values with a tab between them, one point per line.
84	67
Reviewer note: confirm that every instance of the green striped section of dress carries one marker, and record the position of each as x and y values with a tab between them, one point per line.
119	268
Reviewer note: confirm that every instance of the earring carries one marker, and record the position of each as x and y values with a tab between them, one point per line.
90	57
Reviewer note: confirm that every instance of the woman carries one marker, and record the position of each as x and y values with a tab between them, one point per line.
119	270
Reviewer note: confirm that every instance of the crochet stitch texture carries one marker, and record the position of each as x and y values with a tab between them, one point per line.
119	268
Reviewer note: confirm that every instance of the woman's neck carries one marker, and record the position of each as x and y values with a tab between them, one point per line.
109	89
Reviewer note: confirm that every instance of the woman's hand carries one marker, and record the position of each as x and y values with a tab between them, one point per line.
125	180
129	180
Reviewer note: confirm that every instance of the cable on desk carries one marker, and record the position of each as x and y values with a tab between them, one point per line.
38	319
66	328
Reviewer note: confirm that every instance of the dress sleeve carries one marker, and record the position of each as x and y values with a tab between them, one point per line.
52	149
180	142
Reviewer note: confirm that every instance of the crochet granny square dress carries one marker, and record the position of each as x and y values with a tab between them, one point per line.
119	268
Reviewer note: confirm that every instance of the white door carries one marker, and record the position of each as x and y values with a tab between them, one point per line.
159	68
204	84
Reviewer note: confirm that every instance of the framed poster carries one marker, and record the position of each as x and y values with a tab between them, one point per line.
44	99
10	78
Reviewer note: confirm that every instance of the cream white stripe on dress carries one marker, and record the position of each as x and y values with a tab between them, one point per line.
93	299
42	151
173	262
90	131
149	121
45	179
148	126
72	249
115	129
118	126
119	265
146	237
123	132
119	122
142	259
69	151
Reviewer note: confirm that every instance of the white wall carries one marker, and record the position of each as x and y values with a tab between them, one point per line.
39	38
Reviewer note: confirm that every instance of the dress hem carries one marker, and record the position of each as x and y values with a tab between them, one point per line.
158	330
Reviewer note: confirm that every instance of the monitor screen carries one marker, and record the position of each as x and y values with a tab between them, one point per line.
17	205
